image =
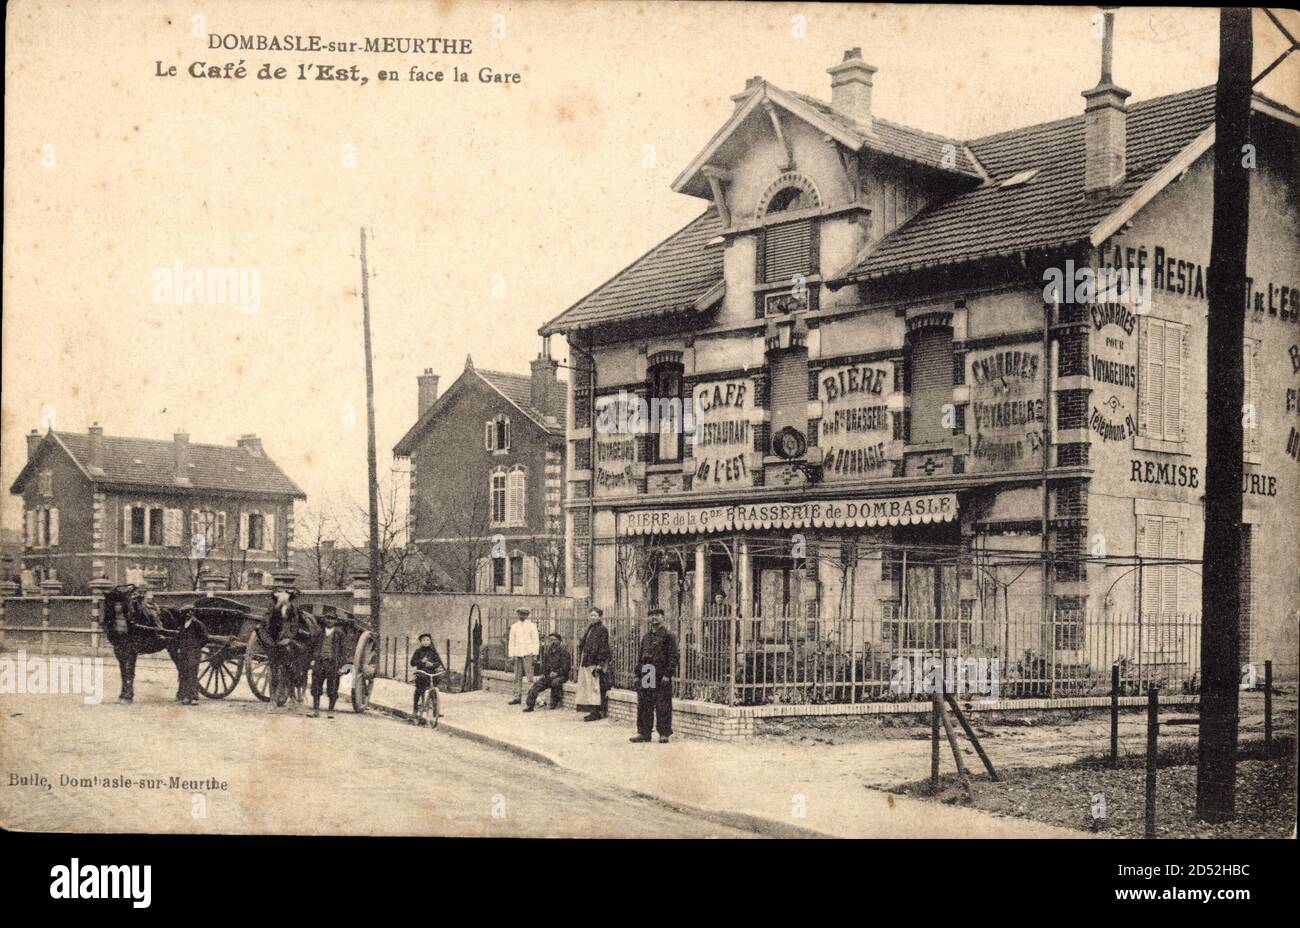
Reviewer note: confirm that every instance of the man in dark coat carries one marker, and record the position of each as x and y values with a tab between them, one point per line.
594	651
426	659
656	667
556	664
325	670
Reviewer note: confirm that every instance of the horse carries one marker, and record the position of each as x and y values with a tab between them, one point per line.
291	638
134	625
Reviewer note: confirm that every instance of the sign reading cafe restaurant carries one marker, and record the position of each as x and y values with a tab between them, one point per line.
832	513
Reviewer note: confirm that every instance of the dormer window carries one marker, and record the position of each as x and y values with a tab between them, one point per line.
496	434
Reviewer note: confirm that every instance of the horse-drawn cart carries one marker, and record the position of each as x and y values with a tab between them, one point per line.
233	648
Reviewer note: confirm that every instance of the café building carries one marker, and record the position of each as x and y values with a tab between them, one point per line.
956	387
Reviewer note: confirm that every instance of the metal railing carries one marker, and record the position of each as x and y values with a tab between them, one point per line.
881	658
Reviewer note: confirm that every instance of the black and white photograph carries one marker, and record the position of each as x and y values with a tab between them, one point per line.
652	420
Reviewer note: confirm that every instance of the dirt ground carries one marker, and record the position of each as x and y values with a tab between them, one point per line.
241	768
1092	797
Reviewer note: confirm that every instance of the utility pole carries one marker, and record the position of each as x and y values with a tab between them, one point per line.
1216	770
372	462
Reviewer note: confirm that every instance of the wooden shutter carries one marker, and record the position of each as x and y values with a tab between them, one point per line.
787	251
532	576
505	425
1156	380
54	527
172	527
1144	380
1250	370
789	397
29	527
931	384
243	531
126	525
268	532
1174	381
1169	581
489	434
1148	546
221	527
515	502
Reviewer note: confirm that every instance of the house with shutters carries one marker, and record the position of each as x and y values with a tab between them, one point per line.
486	465
97	505
867	382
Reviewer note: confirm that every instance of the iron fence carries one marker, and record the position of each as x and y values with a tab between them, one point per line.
796	659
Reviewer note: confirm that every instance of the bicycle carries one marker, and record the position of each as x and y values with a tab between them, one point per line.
427	711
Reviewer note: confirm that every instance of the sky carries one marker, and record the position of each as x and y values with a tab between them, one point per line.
493	206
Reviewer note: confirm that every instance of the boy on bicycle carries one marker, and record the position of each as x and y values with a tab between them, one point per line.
424	659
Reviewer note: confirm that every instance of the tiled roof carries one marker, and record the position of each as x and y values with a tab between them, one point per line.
898	140
518	388
220	468
671	277
1051	209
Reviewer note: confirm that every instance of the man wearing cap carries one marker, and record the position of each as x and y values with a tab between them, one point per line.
556	664
656	667
522	648
325	669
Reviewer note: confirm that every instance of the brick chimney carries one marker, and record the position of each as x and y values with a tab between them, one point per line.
1105	122
544	368
252	444
95	449
851	86
181	456
428	382
750	84
33	442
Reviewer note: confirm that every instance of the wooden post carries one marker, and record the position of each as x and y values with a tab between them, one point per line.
970	733
1268	702
1153	734
934	744
956	753
1114	715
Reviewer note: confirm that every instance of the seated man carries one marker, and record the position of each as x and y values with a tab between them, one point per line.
556	663
424	659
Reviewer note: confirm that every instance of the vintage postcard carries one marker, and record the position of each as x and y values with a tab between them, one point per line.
649	419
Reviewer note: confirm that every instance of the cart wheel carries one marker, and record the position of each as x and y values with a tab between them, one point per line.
220	666
365	664
257	668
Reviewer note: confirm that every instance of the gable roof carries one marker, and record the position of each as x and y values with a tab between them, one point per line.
1051	209
517	389
683	273
883	136
148	462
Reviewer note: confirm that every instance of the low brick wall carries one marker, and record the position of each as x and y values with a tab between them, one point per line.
730	723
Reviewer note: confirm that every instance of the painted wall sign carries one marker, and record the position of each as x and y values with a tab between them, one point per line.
1164	473
1178	275
838	513
855	425
1114	373
615	451
723	435
1005	418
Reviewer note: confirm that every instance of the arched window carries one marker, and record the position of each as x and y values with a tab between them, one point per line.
788	249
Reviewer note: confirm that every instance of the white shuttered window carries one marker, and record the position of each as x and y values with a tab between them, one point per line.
1162	379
